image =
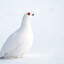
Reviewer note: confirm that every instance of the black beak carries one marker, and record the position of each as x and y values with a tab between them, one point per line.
32	14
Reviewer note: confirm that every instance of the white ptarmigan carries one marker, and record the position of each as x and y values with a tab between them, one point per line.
20	42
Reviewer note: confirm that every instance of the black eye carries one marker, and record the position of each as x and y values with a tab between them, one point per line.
32	14
28	13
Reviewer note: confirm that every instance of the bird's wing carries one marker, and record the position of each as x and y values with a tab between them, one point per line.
10	44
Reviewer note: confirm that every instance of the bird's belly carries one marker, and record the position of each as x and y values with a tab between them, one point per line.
24	44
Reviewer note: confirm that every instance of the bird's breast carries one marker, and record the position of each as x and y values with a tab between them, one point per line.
25	39
26	36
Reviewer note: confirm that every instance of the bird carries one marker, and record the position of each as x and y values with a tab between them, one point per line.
19	43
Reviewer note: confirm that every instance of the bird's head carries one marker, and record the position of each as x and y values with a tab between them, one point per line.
28	16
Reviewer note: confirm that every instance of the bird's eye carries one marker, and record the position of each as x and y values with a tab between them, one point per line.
28	13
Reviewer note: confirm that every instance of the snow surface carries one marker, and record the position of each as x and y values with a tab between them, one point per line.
47	25
35	59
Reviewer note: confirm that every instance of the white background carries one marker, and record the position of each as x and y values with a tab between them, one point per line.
47	25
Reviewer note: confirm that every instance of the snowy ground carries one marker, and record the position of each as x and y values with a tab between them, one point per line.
47	25
35	59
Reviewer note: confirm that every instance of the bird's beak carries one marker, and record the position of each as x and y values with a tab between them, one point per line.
32	14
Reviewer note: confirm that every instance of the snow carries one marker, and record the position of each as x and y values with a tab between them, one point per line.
34	59
47	25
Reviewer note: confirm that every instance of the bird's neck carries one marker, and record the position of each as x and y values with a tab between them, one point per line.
25	24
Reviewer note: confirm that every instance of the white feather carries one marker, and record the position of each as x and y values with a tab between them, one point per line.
20	42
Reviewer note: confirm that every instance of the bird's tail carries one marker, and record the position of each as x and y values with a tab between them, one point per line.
2	57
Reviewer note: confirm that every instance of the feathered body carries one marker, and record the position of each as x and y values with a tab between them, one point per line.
20	42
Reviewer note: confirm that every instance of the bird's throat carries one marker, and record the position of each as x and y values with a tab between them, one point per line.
26	24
